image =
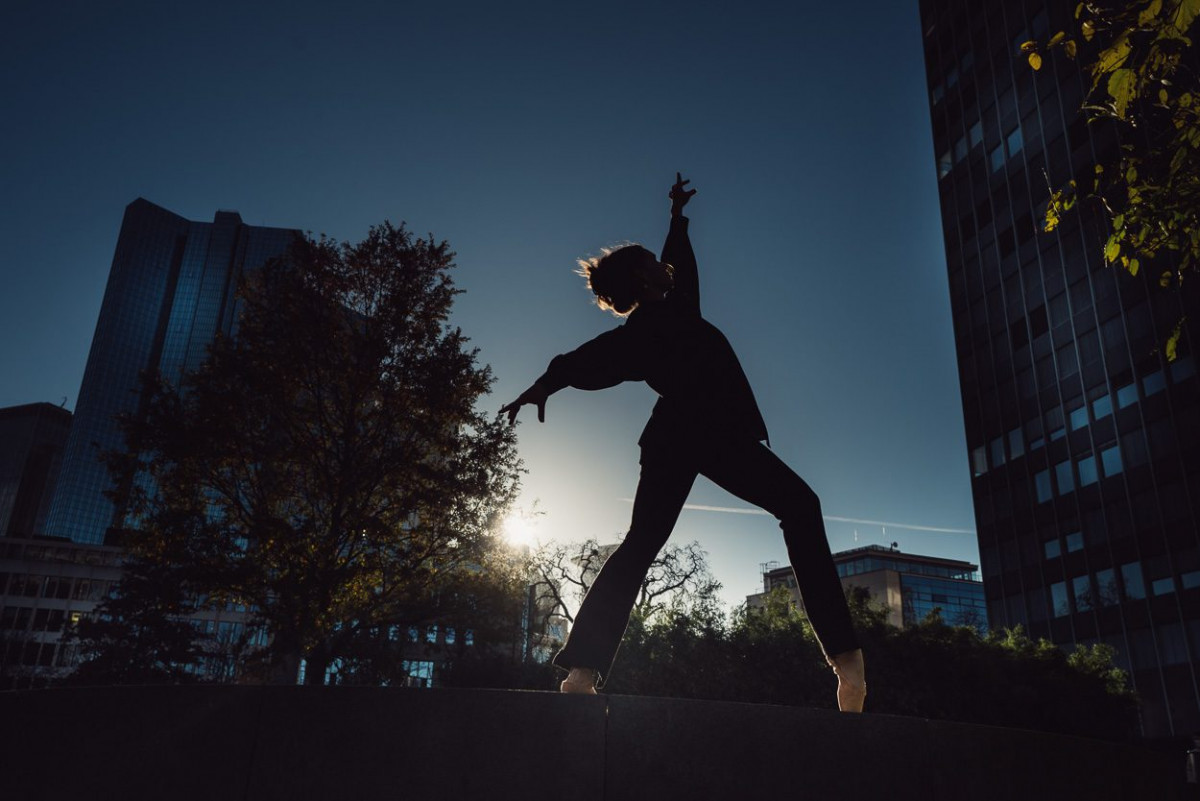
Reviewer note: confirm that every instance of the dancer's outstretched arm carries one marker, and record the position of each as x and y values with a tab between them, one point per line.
677	251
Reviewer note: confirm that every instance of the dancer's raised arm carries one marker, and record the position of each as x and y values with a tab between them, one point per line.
677	251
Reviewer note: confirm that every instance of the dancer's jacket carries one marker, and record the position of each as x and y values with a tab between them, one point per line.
702	388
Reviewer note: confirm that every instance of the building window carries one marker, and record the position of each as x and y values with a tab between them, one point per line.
1102	407
960	149
450	635
1087	471
975	135
1074	541
1015	142
1106	587
1016	444
997	452
1082	588
1111	459
997	157
1058	599
1182	368
1154	383
1042	481
944	165
1064	477
1052	548
1131	577
1163	586
1190	581
1079	418
1127	396
979	461
431	633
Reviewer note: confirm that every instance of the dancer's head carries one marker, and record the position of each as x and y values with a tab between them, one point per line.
624	277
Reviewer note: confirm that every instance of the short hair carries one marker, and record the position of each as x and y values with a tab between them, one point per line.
611	277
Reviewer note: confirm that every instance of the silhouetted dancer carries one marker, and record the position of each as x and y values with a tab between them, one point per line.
707	422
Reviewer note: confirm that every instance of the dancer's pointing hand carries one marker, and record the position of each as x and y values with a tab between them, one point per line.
536	395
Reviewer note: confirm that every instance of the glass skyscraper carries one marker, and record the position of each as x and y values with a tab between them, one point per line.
32	439
1084	442
170	290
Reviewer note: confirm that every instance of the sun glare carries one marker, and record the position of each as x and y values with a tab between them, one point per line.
519	529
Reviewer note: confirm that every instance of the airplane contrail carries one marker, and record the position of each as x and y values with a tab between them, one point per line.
746	510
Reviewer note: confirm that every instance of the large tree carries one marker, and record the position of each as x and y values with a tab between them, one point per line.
1142	68
327	466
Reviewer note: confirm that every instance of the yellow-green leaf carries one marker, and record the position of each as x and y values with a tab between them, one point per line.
1056	38
1120	88
1089	30
1133	266
1131	174
1099	169
1149	13
1112	249
1173	343
1163	97
1028	46
1079	10
1070	48
1113	57
1035	61
1184	15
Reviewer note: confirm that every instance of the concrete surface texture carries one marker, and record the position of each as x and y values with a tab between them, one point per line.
260	743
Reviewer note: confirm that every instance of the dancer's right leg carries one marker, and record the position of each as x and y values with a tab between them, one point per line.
596	633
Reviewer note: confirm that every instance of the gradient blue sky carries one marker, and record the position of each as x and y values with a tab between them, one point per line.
528	135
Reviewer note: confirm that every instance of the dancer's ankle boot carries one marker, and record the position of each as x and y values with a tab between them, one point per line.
579	680
852	683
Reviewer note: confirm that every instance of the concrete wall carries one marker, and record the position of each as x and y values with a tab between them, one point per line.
294	743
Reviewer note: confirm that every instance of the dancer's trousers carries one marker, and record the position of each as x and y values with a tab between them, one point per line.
752	472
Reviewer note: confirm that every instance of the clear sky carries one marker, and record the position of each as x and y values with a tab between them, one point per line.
529	135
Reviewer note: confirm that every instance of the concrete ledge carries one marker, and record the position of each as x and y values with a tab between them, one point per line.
259	743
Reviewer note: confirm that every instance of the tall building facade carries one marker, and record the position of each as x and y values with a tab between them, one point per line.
32	440
1084	442
171	289
910	586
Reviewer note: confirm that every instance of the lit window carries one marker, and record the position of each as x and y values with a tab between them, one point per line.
1015	142
1190	581
1052	548
1057	434
1111	459
997	157
1064	477
1131	577
944	165
450	635
1102	407
1079	418
469	637
1074	541
431	633
1163	586
1154	383
1106	587
975	135
1042	481
1087	471
1127	395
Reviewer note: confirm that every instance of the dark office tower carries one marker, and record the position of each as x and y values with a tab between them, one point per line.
32	440
171	289
1084	442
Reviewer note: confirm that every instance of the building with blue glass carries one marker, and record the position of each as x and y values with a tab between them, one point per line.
909	586
32	440
1084	441
171	289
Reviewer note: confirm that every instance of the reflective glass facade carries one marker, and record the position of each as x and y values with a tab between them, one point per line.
170	290
32	440
1083	442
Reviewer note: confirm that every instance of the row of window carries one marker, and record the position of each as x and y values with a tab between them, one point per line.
1004	449
21	585
1086	592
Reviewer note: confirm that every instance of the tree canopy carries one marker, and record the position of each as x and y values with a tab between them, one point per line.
1143	80
327	466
